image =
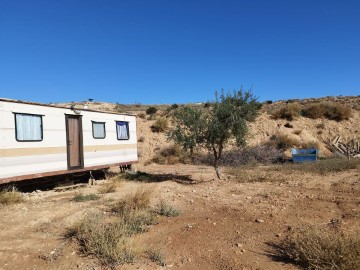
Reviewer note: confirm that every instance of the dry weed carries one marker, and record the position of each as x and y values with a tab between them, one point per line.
10	195
319	247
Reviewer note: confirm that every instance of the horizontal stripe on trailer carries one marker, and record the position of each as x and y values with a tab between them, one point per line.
16	152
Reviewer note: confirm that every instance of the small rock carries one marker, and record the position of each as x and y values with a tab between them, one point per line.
259	220
278	234
243	250
214	223
239	245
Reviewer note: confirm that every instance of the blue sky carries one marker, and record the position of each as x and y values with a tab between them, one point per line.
172	51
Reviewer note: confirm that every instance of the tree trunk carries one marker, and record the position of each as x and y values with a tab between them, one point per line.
216	163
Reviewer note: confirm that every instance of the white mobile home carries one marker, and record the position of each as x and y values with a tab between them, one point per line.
38	140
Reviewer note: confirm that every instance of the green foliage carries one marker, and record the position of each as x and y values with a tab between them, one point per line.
151	110
83	198
214	127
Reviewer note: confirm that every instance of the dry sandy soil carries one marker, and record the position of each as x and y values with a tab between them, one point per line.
218	227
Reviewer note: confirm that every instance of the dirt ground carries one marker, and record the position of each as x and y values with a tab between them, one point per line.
223	224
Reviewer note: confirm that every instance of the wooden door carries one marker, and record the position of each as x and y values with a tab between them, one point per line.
74	142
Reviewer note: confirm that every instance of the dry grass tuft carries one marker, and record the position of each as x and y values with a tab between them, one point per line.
109	186
83	198
160	125
10	195
172	155
315	247
139	201
163	209
108	237
108	242
157	256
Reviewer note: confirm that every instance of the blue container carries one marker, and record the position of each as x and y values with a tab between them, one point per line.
304	155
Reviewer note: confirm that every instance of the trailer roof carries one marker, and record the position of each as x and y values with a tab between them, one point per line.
59	106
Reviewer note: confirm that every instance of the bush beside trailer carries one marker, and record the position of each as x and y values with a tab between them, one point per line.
39	140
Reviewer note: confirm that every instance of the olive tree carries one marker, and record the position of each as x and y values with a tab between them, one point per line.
212	128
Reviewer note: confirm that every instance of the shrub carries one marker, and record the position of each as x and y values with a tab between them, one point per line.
156	255
108	187
172	155
174	106
141	115
314	111
151	110
164	209
108	242
264	154
329	111
338	112
282	141
10	195
160	125
315	247
82	198
268	101
139	201
289	112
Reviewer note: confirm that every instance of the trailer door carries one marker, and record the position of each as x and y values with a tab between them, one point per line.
74	142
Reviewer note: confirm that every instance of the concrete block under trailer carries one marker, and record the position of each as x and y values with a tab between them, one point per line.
38	140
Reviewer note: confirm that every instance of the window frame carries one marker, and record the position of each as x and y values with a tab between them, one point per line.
92	126
117	132
41	126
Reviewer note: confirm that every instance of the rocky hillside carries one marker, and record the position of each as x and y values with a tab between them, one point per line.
300	131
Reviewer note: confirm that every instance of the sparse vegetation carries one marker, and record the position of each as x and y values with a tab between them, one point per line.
141	139
142	115
160	125
151	110
262	154
322	167
108	241
282	141
83	198
10	195
163	209
172	154
139	201
288	112
320	247
157	256
330	111
108	187
108	238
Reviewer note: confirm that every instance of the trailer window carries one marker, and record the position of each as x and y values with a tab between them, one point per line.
98	130
28	127
122	130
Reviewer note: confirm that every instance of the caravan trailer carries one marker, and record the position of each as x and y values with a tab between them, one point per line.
40	140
